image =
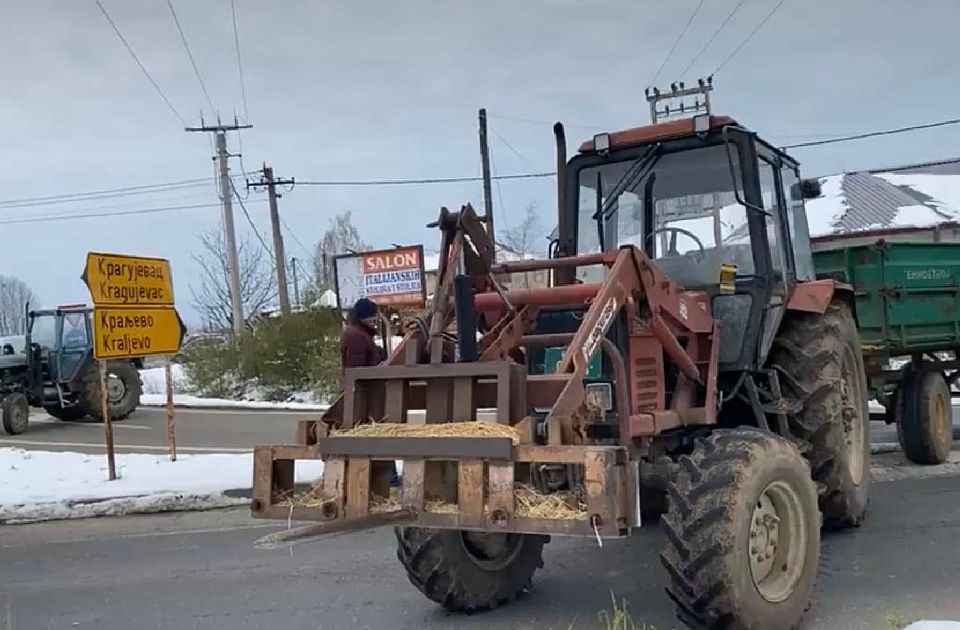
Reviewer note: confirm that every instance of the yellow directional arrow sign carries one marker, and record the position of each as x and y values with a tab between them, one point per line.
119	280
136	332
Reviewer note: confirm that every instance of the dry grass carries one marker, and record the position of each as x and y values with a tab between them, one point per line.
439	506
556	505
311	498
529	502
442	430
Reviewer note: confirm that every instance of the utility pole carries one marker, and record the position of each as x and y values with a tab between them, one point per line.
296	283
278	254
485	161
230	236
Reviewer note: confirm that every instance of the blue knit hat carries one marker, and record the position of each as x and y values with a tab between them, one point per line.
364	308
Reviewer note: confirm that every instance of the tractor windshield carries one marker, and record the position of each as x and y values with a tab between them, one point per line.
44	331
688	199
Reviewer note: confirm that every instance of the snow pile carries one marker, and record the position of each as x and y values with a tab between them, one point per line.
825	211
155	394
41	485
924	624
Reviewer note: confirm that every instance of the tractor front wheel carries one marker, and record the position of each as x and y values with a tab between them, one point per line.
15	412
743	532
469	571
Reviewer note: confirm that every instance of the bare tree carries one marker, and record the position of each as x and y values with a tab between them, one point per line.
522	241
14	297
523	238
340	238
211	297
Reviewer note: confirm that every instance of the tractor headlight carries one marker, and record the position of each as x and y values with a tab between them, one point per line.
600	394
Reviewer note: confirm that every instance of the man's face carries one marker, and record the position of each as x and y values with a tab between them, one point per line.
370	322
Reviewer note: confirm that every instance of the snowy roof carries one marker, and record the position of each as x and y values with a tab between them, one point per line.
431	260
912	196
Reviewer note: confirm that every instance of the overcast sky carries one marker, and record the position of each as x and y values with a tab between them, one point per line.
353	90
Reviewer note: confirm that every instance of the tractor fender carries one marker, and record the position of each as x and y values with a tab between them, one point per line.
815	296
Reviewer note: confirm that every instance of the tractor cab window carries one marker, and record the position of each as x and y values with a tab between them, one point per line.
697	223
74	333
44	331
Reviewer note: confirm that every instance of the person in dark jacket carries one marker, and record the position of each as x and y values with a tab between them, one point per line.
358	349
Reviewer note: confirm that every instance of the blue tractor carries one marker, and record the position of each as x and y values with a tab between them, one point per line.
53	367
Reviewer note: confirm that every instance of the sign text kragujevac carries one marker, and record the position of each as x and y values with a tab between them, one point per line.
111	273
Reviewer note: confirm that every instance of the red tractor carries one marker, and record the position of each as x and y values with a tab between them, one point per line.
684	362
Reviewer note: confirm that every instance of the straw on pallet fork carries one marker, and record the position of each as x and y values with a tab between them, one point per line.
486	476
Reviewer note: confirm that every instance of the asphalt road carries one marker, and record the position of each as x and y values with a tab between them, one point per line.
211	431
197	430
200	570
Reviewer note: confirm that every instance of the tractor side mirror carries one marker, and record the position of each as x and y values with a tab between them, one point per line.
806	189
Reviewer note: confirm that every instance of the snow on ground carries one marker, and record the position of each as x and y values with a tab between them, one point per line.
155	394
923	624
824	211
42	485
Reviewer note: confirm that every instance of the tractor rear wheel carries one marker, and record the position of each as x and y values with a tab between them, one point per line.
925	417
123	390
820	365
743	532
15	413
469	571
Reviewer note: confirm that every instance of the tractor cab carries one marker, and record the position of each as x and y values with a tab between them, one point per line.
719	209
63	338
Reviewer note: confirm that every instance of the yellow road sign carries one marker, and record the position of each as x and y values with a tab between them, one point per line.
136	332
119	280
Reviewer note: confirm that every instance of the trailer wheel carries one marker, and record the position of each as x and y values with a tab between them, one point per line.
123	390
925	426
820	365
743	532
15	412
469	571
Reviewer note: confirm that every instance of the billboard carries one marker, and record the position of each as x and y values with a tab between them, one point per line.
389	277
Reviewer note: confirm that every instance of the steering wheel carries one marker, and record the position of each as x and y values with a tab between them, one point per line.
673	241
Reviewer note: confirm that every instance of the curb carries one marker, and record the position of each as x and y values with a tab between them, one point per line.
119	506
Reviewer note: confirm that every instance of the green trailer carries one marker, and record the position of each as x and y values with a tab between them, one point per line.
907	299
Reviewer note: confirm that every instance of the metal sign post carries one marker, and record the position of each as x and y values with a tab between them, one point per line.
171	433
107	422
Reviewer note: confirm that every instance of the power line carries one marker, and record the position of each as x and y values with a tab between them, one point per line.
716	33
92	215
873	134
534	121
677	42
184	183
293	235
236	40
193	61
503	209
428	180
511	147
140	64
253	226
750	36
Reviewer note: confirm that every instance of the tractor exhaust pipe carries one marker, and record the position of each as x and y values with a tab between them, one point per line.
562	276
